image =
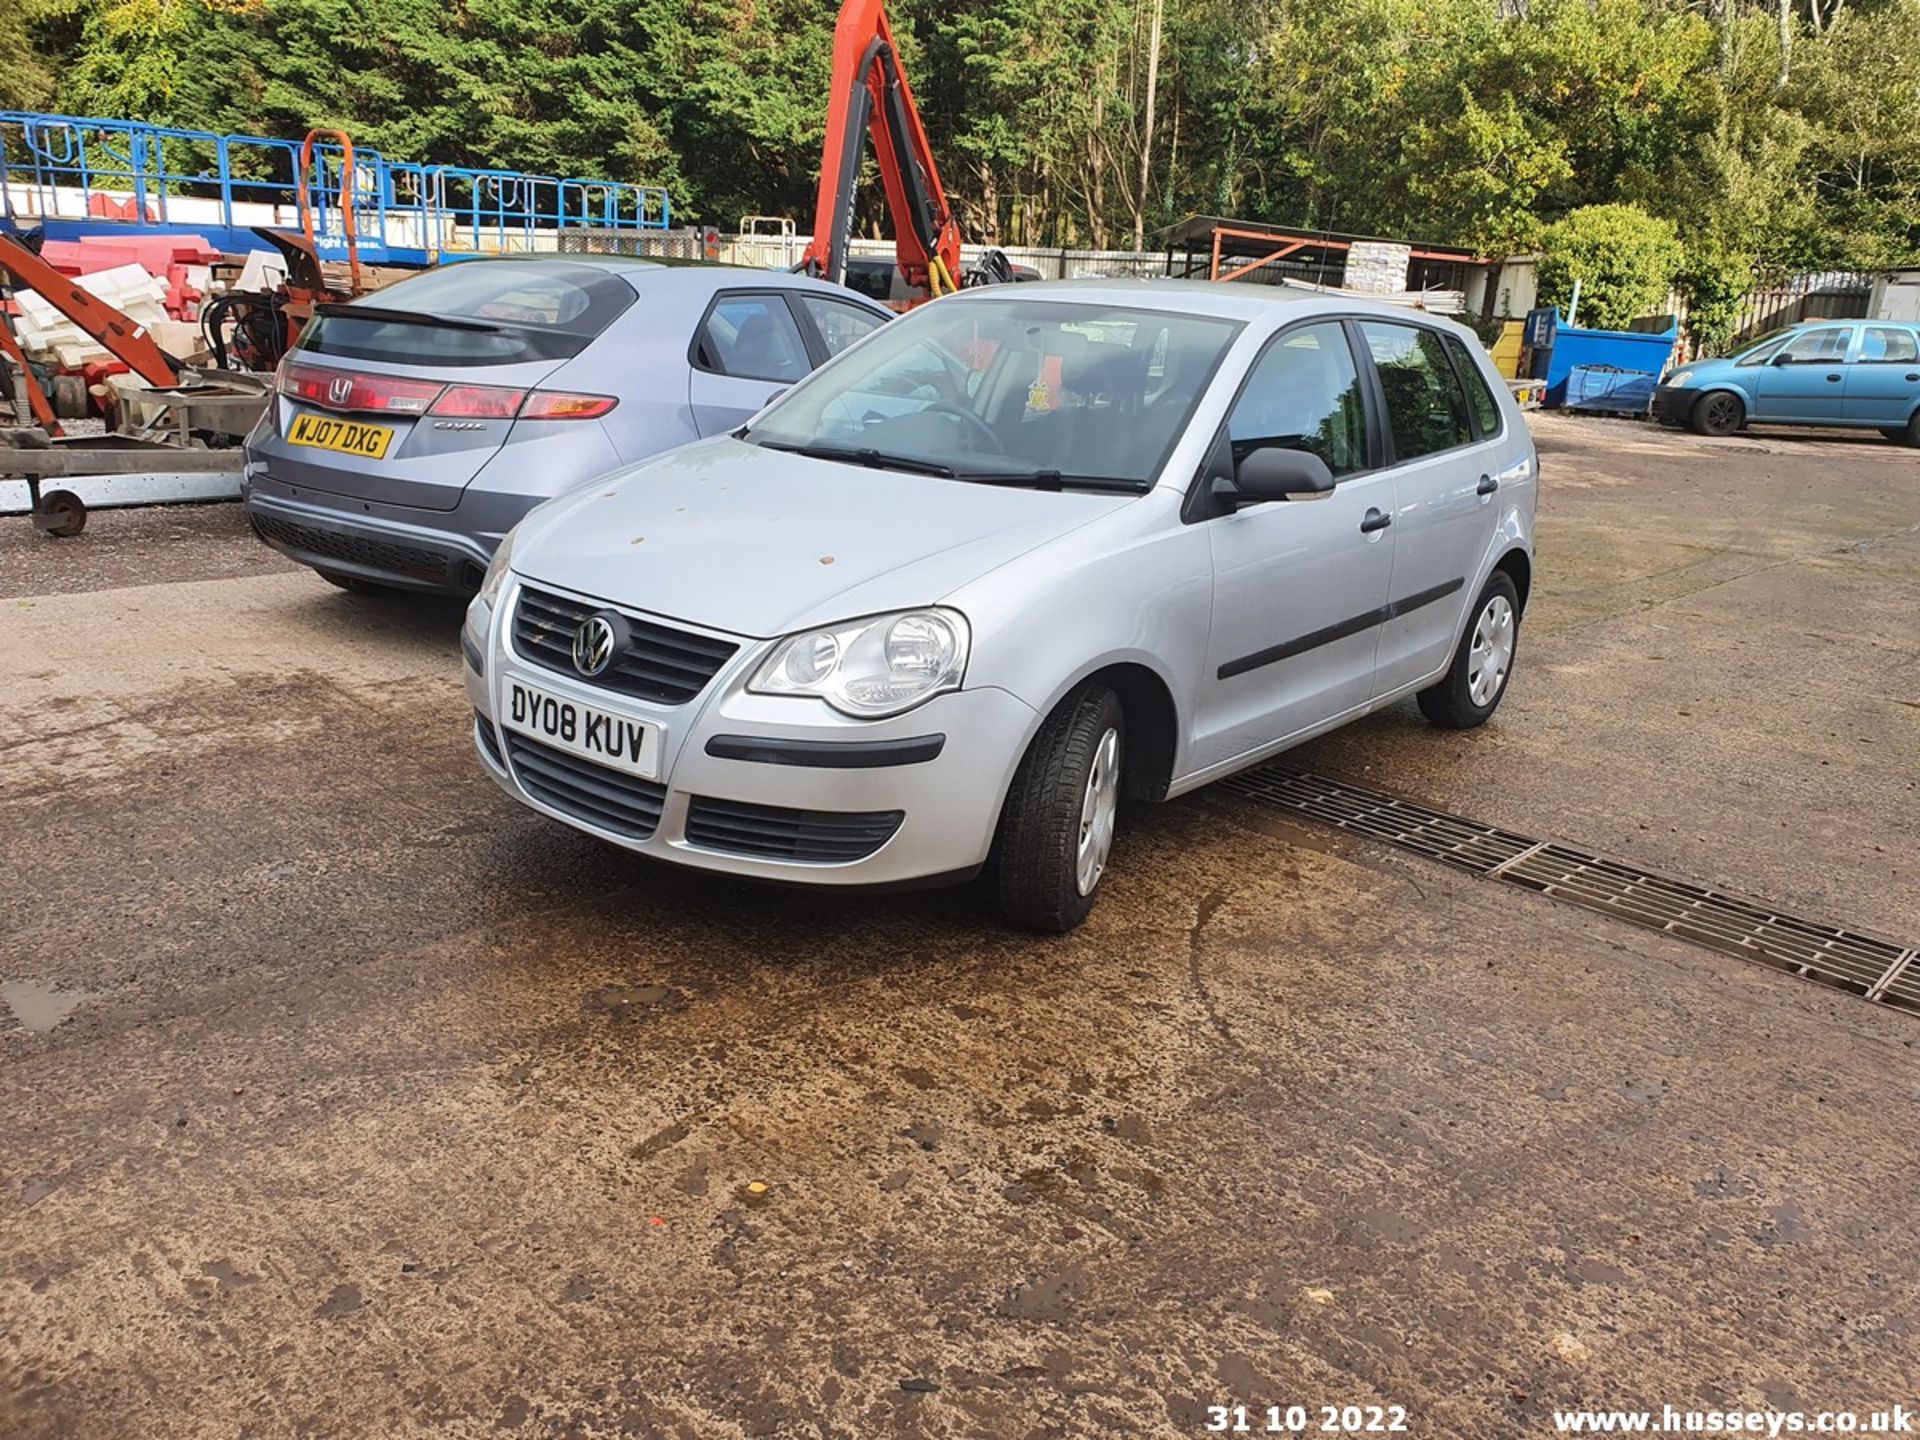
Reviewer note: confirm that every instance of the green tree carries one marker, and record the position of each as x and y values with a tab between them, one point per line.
1624	259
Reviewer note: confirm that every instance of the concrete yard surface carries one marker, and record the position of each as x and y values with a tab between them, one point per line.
341	1096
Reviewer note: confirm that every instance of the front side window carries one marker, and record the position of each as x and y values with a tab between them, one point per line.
839	324
1816	347
1426	409
752	337
1888	345
1304	394
1053	392
1760	350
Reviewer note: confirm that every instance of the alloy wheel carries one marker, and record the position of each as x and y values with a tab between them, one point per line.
1723	413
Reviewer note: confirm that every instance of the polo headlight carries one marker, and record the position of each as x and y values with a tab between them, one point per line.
480	608
497	568
868	668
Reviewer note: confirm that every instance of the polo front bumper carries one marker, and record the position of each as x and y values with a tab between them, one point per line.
768	787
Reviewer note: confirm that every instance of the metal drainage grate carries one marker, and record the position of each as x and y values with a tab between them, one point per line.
1876	969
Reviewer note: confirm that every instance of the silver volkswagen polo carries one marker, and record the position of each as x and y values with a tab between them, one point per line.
1008	558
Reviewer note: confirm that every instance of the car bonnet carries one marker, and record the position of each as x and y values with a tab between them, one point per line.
760	542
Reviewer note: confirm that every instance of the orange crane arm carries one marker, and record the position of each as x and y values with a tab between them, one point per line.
123	339
871	93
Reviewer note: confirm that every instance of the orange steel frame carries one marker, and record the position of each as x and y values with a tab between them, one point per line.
1289	244
347	182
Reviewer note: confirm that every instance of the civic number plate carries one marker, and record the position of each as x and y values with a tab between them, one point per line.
350	437
606	739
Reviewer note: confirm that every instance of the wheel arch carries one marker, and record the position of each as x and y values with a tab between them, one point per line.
1517	565
1153	720
1725	387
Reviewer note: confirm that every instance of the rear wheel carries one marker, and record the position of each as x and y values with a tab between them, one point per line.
1470	691
1718	412
1909	434
354	585
1056	831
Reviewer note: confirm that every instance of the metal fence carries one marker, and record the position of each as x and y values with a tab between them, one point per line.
1784	299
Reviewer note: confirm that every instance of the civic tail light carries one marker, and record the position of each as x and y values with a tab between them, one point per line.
479	402
560	405
348	390
332	389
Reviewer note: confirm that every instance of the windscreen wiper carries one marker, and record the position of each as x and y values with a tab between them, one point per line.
871	459
1056	480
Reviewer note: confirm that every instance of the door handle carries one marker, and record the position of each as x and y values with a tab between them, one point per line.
1912	378
1486	486
1375	520
1833	379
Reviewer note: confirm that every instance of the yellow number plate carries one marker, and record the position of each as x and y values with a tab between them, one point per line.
350	437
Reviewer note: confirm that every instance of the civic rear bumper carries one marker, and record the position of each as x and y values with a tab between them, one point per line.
339	535
772	787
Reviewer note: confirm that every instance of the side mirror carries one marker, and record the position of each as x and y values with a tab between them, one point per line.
1783	358
1274	472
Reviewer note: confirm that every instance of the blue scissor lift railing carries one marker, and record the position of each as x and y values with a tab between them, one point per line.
155	177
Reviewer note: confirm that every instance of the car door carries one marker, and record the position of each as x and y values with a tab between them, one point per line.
1445	439
1883	383
1298	585
1805	380
747	348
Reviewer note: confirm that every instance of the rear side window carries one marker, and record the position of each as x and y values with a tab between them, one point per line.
839	323
1304	394
1486	409
476	312
1426	408
752	337
1888	346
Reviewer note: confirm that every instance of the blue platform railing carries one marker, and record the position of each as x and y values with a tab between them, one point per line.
82	175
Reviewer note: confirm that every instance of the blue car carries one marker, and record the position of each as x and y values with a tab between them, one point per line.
1850	374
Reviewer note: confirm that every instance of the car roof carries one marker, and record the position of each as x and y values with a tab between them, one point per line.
660	270
1227	300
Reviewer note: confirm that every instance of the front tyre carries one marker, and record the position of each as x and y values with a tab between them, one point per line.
1470	691
1718	412
1056	830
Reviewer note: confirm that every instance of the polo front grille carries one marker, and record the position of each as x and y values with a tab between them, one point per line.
772	832
413	561
661	663
607	799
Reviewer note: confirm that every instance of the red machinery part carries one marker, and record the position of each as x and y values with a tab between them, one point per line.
107	326
871	92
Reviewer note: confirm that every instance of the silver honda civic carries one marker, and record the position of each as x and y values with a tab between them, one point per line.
1008	558
415	426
